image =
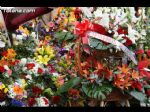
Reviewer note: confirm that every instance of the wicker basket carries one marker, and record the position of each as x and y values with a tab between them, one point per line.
115	95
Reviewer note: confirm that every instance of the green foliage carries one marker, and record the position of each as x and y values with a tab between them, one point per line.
70	84
97	44
65	36
139	96
96	91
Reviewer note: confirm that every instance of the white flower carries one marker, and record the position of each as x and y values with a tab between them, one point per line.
98	13
2	44
41	102
55	74
19	37
23	61
104	21
29	77
33	34
6	67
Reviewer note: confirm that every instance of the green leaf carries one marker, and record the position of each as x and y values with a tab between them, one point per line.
138	95
147	86
70	84
97	44
48	91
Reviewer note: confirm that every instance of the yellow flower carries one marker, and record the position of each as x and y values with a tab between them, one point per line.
48	37
23	83
41	50
24	30
2	86
43	59
49	50
5	90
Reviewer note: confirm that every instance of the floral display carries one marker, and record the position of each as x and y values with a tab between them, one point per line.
79	58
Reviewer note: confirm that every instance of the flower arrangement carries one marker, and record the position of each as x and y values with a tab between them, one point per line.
61	63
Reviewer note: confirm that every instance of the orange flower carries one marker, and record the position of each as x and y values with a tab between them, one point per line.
18	90
135	75
122	81
10	54
124	69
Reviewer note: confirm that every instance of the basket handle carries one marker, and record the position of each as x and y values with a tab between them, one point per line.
78	56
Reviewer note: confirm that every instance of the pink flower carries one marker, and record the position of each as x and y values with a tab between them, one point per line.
9	72
51	24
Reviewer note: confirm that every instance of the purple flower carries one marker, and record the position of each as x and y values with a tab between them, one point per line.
17	103
62	52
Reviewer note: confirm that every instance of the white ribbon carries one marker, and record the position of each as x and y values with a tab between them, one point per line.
107	39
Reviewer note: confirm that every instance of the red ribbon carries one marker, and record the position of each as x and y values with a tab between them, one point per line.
85	25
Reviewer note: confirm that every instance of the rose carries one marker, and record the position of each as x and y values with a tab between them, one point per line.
30	65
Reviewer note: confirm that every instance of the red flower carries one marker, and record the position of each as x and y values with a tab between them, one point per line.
148	92
14	62
122	31
137	85
141	66
2	69
56	99
30	65
128	41
36	90
46	101
140	51
73	92
4	53
31	102
77	13
148	53
40	71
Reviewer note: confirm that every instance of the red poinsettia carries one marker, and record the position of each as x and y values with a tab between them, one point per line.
144	64
2	69
128	41
31	102
148	92
137	85
148	53
139	51
122	31
40	70
56	99
30	65
36	90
